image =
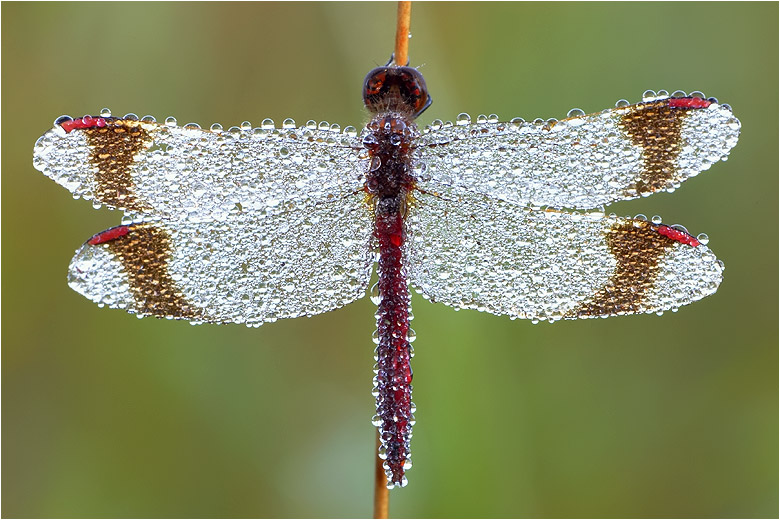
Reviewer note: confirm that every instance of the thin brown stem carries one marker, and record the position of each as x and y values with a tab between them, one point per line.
401	55
381	493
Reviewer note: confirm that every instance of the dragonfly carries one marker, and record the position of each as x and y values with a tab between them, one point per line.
255	224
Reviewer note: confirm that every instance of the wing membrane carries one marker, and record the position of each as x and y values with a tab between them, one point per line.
246	268
169	171
582	162
477	253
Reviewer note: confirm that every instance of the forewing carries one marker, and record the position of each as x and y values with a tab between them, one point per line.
169	171
246	268
490	255
581	162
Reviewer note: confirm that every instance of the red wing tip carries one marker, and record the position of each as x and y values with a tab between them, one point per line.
677	235
109	235
689	102
83	122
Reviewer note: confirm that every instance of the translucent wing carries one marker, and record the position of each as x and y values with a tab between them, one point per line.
165	170
246	268
477	253
581	162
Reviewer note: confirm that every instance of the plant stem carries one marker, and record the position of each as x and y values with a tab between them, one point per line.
401	54
381	493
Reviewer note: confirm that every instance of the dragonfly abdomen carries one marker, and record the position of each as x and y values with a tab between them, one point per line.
393	352
389	183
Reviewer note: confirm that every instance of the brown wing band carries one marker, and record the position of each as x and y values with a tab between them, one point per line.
113	148
637	247
656	127
145	252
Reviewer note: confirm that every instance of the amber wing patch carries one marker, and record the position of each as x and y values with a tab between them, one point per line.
113	148
144	253
657	128
637	247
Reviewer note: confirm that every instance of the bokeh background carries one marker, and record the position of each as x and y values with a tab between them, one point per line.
108	416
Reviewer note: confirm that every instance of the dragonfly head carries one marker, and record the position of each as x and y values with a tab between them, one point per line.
393	88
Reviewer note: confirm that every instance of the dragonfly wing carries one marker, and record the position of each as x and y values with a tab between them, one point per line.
149	168
489	255
582	162
247	268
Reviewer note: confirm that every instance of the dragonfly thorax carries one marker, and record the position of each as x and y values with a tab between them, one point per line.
389	145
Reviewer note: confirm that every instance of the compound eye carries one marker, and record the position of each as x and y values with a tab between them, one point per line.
375	81
415	90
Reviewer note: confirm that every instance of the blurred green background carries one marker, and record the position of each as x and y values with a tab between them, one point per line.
108	416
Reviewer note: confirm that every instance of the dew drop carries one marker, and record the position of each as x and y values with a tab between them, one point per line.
621	103
575	112
104	112
656	219
679	94
170	121
376	297
350	131
649	95
516	122
463	119
266	124
703	238
216	127
288	123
